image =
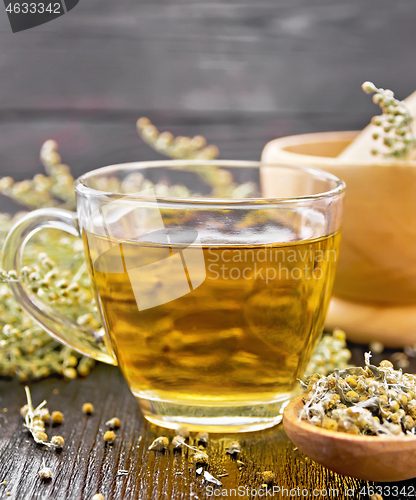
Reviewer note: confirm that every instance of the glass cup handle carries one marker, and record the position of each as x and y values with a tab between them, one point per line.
82	339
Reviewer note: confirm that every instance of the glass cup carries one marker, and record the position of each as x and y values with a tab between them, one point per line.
211	296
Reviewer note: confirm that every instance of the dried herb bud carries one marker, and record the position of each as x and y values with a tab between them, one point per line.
395	418
351	381
41	436
13	274
70	373
57	441
98	496
233	448
45	473
383	400
88	408
330	424
352	397
202	437
408	422
44	414
38	425
159	444
394	406
268	476
113	423
386	364
57	417
109	437
178	442
200	457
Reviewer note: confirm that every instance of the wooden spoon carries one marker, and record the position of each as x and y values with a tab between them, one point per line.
370	458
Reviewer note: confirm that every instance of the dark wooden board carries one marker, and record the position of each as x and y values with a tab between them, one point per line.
87	465
242	56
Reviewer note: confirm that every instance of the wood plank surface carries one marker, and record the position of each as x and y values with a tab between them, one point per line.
87	465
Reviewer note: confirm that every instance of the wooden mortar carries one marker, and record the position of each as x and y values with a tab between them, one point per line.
375	287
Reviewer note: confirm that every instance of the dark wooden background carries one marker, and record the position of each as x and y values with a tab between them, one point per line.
240	73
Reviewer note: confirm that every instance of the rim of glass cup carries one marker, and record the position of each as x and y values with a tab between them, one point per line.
83	189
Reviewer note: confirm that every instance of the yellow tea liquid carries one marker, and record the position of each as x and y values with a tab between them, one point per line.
243	336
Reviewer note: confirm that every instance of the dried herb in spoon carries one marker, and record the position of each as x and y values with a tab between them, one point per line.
370	401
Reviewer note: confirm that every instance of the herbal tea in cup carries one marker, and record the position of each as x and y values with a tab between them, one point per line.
211	296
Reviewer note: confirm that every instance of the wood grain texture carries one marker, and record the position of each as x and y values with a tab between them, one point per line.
242	56
92	140
87	465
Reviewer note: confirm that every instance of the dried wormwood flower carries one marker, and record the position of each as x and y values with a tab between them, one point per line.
109	437
44	414
179	147
159	444
57	417
178	442
88	408
58	441
34	422
380	403
330	353
98	496
396	122
268	476
28	351
200	457
113	423
233	448
45	473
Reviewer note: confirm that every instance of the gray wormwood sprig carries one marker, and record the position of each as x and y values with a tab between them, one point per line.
395	123
27	351
51	190
371	400
182	148
35	422
330	353
187	148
